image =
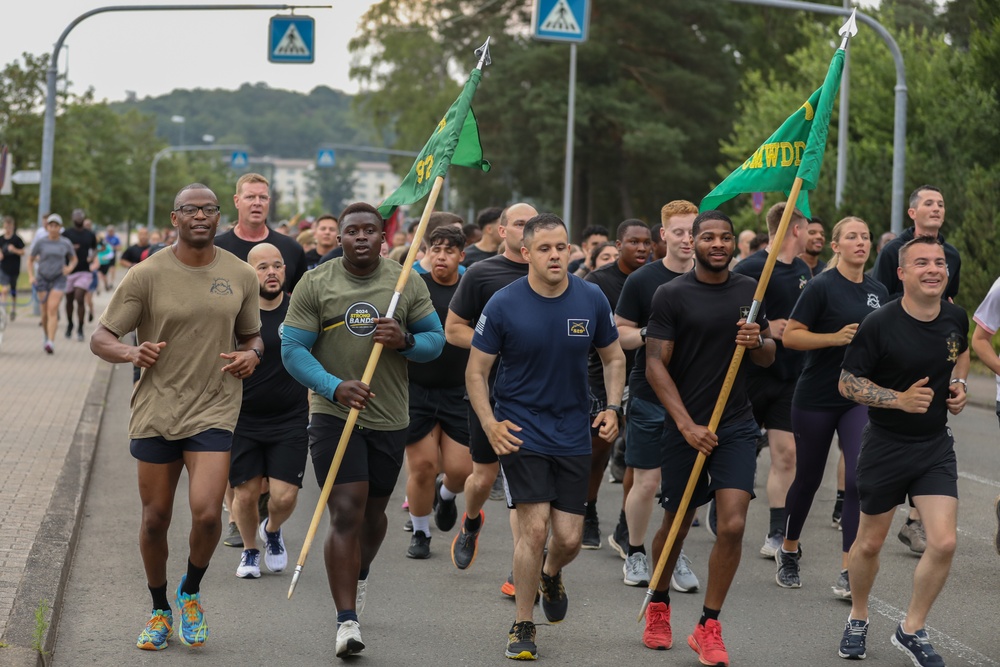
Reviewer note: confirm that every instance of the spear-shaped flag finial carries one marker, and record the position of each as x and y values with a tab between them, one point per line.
848	30
484	54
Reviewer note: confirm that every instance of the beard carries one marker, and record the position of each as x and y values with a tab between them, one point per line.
270	295
705	262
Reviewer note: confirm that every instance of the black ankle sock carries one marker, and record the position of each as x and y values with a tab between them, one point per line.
592	507
641	549
707	613
661	596
777	519
473	524
193	582
839	504
362	575
159	594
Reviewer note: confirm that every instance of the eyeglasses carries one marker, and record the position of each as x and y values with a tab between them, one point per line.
190	209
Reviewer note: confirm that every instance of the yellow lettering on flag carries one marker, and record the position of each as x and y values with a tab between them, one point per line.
771	151
787	154
809	110
799	147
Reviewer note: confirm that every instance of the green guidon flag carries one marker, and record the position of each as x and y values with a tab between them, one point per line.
794	150
455	141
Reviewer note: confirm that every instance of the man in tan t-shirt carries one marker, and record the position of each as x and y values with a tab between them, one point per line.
189	304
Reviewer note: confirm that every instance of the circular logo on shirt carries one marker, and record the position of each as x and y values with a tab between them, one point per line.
360	318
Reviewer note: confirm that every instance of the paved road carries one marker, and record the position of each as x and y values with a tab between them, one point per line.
423	612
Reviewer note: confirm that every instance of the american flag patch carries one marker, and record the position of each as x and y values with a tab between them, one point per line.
481	324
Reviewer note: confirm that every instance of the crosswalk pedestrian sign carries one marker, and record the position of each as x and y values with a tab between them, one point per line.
561	20
239	160
325	157
291	39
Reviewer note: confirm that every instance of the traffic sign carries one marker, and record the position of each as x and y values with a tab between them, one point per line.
561	20
291	39
239	160
325	157
30	177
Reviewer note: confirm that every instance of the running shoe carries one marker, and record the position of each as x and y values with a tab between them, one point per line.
837	513
158	629
194	630
79	335
249	565
917	648
657	634
408	525
406	504
706	641
619	539
636	570
554	599
521	642
772	544
507	587
359	600
445	511
69	330
711	518
349	639
842	589
275	556
591	530
912	535
852	644
787	575
48	346
996	535
420	546
683	580
233	537
498	492
465	546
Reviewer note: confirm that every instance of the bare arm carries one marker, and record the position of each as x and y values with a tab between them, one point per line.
477	373
861	390
613	360
628	333
957	394
798	337
244	360
658	354
982	343
458	331
105	344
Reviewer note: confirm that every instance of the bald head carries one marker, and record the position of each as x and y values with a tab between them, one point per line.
512	222
262	252
270	267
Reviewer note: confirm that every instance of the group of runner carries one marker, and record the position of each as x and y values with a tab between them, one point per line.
487	372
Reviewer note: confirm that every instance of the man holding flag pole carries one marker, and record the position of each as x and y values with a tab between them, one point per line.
789	161
340	309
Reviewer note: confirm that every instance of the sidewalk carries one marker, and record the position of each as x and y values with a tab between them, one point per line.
52	406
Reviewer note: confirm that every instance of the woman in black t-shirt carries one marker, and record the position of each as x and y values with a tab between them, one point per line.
823	322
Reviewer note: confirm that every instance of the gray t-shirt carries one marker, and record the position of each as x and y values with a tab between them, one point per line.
52	256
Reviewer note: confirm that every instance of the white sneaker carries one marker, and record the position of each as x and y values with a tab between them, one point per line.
349	639
772	543
636	570
359	602
275	557
683	579
249	565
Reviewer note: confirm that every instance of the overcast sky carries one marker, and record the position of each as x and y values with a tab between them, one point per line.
153	53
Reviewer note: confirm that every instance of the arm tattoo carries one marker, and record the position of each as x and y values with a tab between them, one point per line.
866	392
659	349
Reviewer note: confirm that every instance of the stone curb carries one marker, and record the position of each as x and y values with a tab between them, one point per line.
51	556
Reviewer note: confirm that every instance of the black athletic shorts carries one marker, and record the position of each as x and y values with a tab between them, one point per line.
645	434
278	456
372	456
160	450
531	477
479	443
772	401
732	465
892	466
430	407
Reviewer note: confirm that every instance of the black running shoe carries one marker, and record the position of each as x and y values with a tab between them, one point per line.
233	537
788	568
445	511
521	642
554	600
852	644
619	539
917	648
591	530
420	546
465	546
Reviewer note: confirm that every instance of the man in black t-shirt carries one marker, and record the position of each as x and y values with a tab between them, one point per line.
77	283
634	245
326	232
815	242
11	251
270	440
439	418
480	282
696	322
771	388
908	363
488	221
133	254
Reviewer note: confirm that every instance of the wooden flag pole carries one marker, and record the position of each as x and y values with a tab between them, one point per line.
720	403
352	417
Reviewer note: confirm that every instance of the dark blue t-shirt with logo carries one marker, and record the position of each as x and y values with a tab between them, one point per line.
541	382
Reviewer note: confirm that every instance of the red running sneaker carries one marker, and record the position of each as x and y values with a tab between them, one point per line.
706	641
658	634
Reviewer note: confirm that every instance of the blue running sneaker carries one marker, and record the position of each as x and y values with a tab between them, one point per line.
158	628
917	648
852	644
194	630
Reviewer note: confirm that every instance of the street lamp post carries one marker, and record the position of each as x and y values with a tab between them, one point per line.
180	120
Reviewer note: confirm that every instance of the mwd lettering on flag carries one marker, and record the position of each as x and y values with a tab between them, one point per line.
795	149
455	140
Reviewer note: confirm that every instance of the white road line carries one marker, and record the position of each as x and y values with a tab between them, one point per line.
981	480
938	638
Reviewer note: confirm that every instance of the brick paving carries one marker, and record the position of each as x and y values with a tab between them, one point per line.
43	398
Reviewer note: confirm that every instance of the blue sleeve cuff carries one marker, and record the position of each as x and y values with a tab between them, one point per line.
428	334
302	365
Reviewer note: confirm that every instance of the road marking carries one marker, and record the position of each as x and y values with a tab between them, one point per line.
981	480
939	639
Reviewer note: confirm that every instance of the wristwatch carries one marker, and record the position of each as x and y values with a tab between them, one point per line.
617	409
642	334
965	385
409	342
760	342
260	355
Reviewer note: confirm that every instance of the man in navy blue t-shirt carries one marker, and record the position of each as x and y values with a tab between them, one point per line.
542	327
